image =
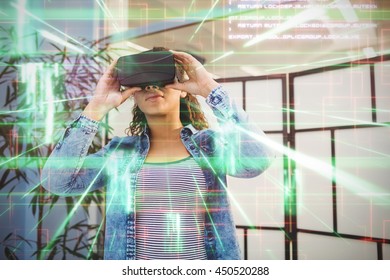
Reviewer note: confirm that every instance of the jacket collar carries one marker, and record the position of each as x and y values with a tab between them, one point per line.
190	127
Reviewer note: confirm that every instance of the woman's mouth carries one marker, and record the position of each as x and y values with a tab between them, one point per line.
154	97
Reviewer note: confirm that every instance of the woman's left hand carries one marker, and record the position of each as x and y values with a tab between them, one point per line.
200	81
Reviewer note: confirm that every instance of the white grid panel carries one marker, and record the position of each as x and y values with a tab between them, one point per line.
316	247
386	251
264	103
362	177
266	245
235	92
314	187
333	98
382	90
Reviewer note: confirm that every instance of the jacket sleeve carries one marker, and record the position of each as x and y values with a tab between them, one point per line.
68	170
244	148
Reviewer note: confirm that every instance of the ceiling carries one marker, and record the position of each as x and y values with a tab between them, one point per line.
291	35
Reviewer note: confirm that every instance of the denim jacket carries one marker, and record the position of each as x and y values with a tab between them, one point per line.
230	150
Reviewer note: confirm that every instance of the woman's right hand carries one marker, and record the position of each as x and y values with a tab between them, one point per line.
107	95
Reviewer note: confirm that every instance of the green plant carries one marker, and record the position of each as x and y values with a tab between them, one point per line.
24	129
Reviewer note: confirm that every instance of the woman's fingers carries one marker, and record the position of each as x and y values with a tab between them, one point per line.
110	71
178	86
129	92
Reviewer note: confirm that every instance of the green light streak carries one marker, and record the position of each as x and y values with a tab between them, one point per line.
13	158
5	211
107	13
173	233
113	238
191	5
66	100
20	27
222	56
104	8
95	239
39	84
102	223
200	25
40	221
16	111
1	12
35	187
50	98
57	39
30	71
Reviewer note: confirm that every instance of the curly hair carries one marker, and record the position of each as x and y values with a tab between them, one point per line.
190	113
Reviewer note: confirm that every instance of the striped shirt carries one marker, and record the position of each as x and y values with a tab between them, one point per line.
170	211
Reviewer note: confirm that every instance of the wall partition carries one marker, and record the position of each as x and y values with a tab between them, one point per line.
339	125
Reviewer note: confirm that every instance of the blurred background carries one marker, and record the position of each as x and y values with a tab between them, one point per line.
313	74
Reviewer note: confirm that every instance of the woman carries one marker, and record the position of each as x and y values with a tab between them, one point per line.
166	183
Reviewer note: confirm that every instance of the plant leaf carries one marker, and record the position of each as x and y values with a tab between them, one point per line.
9	254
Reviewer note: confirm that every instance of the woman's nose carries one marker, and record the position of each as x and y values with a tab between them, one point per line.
151	87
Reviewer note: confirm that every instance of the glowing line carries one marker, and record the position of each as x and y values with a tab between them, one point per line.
23	10
284	67
50	108
200	25
68	99
112	241
95	239
22	154
40	221
192	4
1	12
16	111
222	56
104	8
57	39
30	191
347	10
21	20
135	46
31	88
5	211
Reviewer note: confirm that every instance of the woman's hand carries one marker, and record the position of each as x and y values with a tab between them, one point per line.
107	95
200	81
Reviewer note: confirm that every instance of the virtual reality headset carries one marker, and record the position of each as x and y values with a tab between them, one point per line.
149	68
